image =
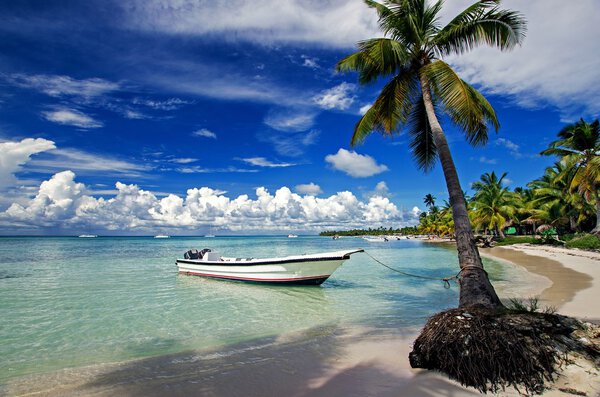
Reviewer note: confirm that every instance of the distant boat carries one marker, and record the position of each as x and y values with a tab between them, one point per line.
310	269
210	234
336	237
87	235
376	239
161	236
292	235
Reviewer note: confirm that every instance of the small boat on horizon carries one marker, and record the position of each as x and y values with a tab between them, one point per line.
162	236
87	235
307	269
376	239
292	235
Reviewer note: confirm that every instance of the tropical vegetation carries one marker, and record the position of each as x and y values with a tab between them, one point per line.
564	200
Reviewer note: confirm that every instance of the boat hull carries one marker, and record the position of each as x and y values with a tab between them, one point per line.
299	270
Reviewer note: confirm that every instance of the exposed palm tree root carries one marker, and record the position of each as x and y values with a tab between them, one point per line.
491	351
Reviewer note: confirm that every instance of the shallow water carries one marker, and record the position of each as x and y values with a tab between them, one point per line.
69	302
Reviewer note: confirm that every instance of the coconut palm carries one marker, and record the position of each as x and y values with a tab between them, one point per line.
429	200
579	144
422	87
554	201
493	204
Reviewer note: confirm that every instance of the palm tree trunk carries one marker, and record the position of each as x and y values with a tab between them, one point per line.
475	287
596	229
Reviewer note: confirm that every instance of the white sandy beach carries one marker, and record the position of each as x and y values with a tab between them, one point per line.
332	361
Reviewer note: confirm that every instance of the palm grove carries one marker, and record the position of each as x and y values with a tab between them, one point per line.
564	199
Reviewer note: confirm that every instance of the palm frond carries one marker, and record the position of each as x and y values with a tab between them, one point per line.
481	23
464	104
421	143
390	110
375	58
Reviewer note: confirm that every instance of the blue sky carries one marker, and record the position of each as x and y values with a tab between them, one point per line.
138	117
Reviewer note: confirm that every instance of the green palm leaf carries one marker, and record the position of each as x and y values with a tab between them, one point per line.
464	104
481	23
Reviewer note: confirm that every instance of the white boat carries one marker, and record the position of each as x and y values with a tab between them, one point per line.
292	235
87	235
310	269
161	236
209	235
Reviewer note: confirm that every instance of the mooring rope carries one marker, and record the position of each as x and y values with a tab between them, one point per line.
445	280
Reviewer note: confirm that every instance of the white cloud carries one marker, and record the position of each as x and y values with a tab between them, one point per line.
339	97
354	164
167	104
184	160
310	62
363	109
61	202
86	163
73	117
289	143
310	189
263	162
556	65
57	86
290	120
381	190
485	160
203	170
14	154
331	23
206	133
512	147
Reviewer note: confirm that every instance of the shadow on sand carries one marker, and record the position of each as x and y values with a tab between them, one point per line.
311	363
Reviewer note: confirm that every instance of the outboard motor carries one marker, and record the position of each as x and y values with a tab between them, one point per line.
204	251
192	254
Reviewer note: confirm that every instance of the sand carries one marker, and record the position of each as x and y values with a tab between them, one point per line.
332	361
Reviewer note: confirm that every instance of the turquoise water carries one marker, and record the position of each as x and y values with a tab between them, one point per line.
68	302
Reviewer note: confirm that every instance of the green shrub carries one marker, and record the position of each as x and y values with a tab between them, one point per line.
518	240
586	242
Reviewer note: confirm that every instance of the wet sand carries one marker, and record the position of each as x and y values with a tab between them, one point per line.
574	276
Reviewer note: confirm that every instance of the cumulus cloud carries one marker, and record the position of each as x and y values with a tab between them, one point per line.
354	164
339	97
62	202
554	67
205	133
14	154
73	117
263	162
310	189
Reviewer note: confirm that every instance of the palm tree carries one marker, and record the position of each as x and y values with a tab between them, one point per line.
579	143
494	205
422	87
553	200
429	200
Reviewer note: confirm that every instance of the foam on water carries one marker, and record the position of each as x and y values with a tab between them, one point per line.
69	302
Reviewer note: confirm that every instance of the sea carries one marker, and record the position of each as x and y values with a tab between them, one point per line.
68	302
